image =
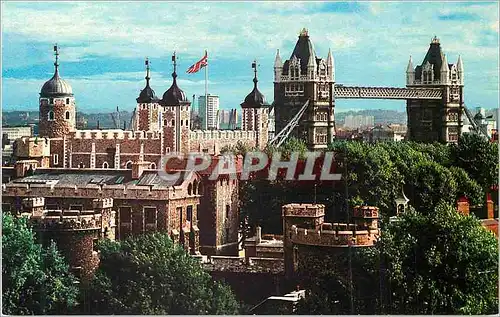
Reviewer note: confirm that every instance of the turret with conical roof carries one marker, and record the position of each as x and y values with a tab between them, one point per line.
57	107
174	96
255	112
147	95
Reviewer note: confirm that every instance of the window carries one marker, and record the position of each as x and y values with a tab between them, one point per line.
56	159
51	101
150	214
67	115
189	211
227	212
190	189
128	165
76	207
195	187
50	115
105	165
67	101
81	165
152	166
173	123
168	149
126	214
181	123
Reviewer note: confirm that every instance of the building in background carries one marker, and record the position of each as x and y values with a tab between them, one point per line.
355	122
485	121
208	111
228	119
9	135
390	132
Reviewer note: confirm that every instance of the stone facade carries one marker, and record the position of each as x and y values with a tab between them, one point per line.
305	77
436	120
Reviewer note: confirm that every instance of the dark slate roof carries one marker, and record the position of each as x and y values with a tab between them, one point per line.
81	178
255	99
174	96
303	49
147	95
434	56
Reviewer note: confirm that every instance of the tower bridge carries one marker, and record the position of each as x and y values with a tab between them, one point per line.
433	94
353	92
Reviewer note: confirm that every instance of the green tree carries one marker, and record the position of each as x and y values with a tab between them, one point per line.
441	262
429	184
150	275
478	157
35	280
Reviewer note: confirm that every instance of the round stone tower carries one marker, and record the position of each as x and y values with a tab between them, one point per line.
57	106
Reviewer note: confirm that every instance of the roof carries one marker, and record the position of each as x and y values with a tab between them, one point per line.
147	95
303	50
81	178
56	87
255	99
434	56
174	96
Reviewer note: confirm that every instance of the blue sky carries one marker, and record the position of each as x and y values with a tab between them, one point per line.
103	46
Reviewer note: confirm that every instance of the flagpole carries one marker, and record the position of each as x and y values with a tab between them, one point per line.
206	93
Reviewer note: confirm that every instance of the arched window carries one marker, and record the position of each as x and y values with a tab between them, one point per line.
51	115
105	165
190	189
67	115
81	165
152	166
195	187
128	165
181	123
173	122
67	101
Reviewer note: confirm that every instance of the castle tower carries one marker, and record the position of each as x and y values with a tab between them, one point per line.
148	112
436	120
255	113
176	115
57	105
305	77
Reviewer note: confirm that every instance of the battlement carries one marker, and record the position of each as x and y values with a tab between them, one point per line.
32	147
33	202
102	203
303	210
240	264
201	135
68	220
367	212
336	237
116	134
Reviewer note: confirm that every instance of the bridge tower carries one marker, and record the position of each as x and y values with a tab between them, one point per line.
304	77
436	120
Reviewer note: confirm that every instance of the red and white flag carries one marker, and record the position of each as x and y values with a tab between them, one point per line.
198	65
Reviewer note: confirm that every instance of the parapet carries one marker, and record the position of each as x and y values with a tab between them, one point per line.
102	203
115	134
222	134
34	202
303	210
366	212
335	237
58	220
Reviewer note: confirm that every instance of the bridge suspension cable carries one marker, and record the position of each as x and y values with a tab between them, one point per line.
285	132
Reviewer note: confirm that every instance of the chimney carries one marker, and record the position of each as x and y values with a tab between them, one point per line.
463	206
258	235
489	206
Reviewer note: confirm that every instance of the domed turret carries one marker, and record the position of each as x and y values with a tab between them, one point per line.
255	99
174	96
147	95
56	86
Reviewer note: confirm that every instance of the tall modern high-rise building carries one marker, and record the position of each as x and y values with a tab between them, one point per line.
208	111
